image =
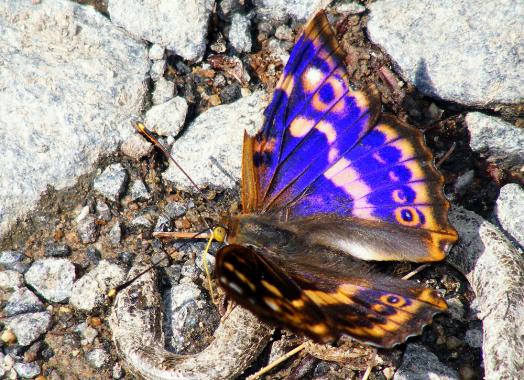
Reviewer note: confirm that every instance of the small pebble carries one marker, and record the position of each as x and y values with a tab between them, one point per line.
115	234
27	370
156	52
164	91
87	230
97	358
52	278
52	249
111	183
139	191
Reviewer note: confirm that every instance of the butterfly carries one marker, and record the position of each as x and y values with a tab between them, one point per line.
328	184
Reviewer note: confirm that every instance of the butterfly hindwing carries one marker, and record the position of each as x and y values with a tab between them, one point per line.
323	303
269	293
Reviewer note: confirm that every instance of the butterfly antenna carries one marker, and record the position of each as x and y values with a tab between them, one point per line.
218	234
112	293
140	127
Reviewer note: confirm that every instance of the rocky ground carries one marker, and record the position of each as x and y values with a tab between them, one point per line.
82	193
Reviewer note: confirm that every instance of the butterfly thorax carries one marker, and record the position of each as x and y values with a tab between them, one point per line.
261	231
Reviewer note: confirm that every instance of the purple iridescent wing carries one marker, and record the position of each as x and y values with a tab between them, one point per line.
323	151
313	118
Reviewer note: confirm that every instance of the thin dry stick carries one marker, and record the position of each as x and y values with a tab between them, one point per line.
447	155
368	372
415	271
274	363
180	235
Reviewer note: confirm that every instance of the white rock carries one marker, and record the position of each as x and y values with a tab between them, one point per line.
97	358
111	183
10	279
136	146
217	133
164	91
495	271
156	52
509	211
178	25
28	327
240	33
91	290
52	278
167	119
22	301
139	191
467	51
27	370
157	70
500	142
300	10
69	80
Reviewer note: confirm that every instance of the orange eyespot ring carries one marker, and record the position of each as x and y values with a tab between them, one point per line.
399	196
393	300
408	216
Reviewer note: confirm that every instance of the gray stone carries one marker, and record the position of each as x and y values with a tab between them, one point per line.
167	119
144	221
500	142
464	181
138	191
22	301
91	290
420	364
164	91
97	358
188	315
27	370
468	52
28	327
198	146
163	223
301	10
52	278
87	333
509	211
456	308
136	146
495	270
225	8
115	234
10	279
3	368
103	212
157	70
174	210
178	25
111	183
118	371
284	33
156	52
240	33
13	260
69	79
473	338
87	230
52	249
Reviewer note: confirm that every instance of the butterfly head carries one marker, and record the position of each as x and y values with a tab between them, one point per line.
219	234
